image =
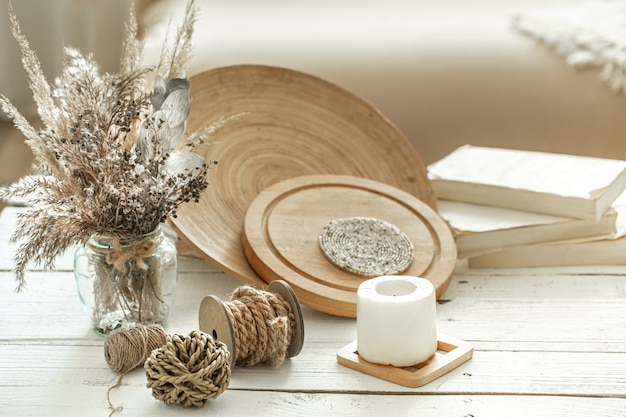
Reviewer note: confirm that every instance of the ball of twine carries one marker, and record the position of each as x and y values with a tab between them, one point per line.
188	370
126	350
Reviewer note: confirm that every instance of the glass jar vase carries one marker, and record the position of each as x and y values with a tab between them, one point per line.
126	282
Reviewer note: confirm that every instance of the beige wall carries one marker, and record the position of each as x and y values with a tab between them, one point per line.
446	72
93	26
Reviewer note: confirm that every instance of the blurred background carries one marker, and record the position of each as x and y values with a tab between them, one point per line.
91	26
446	73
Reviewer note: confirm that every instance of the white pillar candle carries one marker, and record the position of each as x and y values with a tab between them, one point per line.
396	320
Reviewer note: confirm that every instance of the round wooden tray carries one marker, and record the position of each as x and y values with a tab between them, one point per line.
283	224
297	125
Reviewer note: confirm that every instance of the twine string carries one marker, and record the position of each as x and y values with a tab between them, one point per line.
127	350
119	255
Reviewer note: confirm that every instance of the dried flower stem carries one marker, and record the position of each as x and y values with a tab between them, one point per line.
175	58
106	158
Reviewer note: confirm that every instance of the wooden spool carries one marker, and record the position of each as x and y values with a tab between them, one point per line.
283	225
297	124
214	320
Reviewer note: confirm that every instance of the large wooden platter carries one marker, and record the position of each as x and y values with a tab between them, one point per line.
297	125
283	224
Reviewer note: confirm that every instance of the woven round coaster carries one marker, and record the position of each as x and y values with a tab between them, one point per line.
366	246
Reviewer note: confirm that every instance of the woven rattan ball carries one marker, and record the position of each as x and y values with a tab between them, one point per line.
188	370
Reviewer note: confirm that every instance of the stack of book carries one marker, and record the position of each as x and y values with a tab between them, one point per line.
512	208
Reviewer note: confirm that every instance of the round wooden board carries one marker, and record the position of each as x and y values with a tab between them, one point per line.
283	224
297	125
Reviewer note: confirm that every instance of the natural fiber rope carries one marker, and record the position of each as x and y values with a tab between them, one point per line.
138	251
125	350
117	254
263	326
188	370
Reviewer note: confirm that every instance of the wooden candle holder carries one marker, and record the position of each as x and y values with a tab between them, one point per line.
450	354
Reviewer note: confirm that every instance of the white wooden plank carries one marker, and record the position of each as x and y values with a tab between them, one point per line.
59	314
536	320
233	403
529	320
479	316
606	282
316	370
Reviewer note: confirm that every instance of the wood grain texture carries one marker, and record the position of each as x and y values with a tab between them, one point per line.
297	124
450	354
283	224
236	403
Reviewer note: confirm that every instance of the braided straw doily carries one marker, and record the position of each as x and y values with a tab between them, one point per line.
366	246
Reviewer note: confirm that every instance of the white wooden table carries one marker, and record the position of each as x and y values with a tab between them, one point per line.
547	343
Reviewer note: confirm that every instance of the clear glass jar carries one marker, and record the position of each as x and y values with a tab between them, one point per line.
123	283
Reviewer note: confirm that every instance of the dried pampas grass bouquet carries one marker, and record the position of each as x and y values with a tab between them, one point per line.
112	161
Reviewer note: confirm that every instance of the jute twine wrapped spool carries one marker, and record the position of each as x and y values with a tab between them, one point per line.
257	326
264	325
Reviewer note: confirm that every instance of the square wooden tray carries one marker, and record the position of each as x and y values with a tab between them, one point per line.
450	354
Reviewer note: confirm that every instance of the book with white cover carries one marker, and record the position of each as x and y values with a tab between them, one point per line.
574	253
555	184
479	229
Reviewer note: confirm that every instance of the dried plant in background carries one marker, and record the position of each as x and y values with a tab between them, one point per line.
112	158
